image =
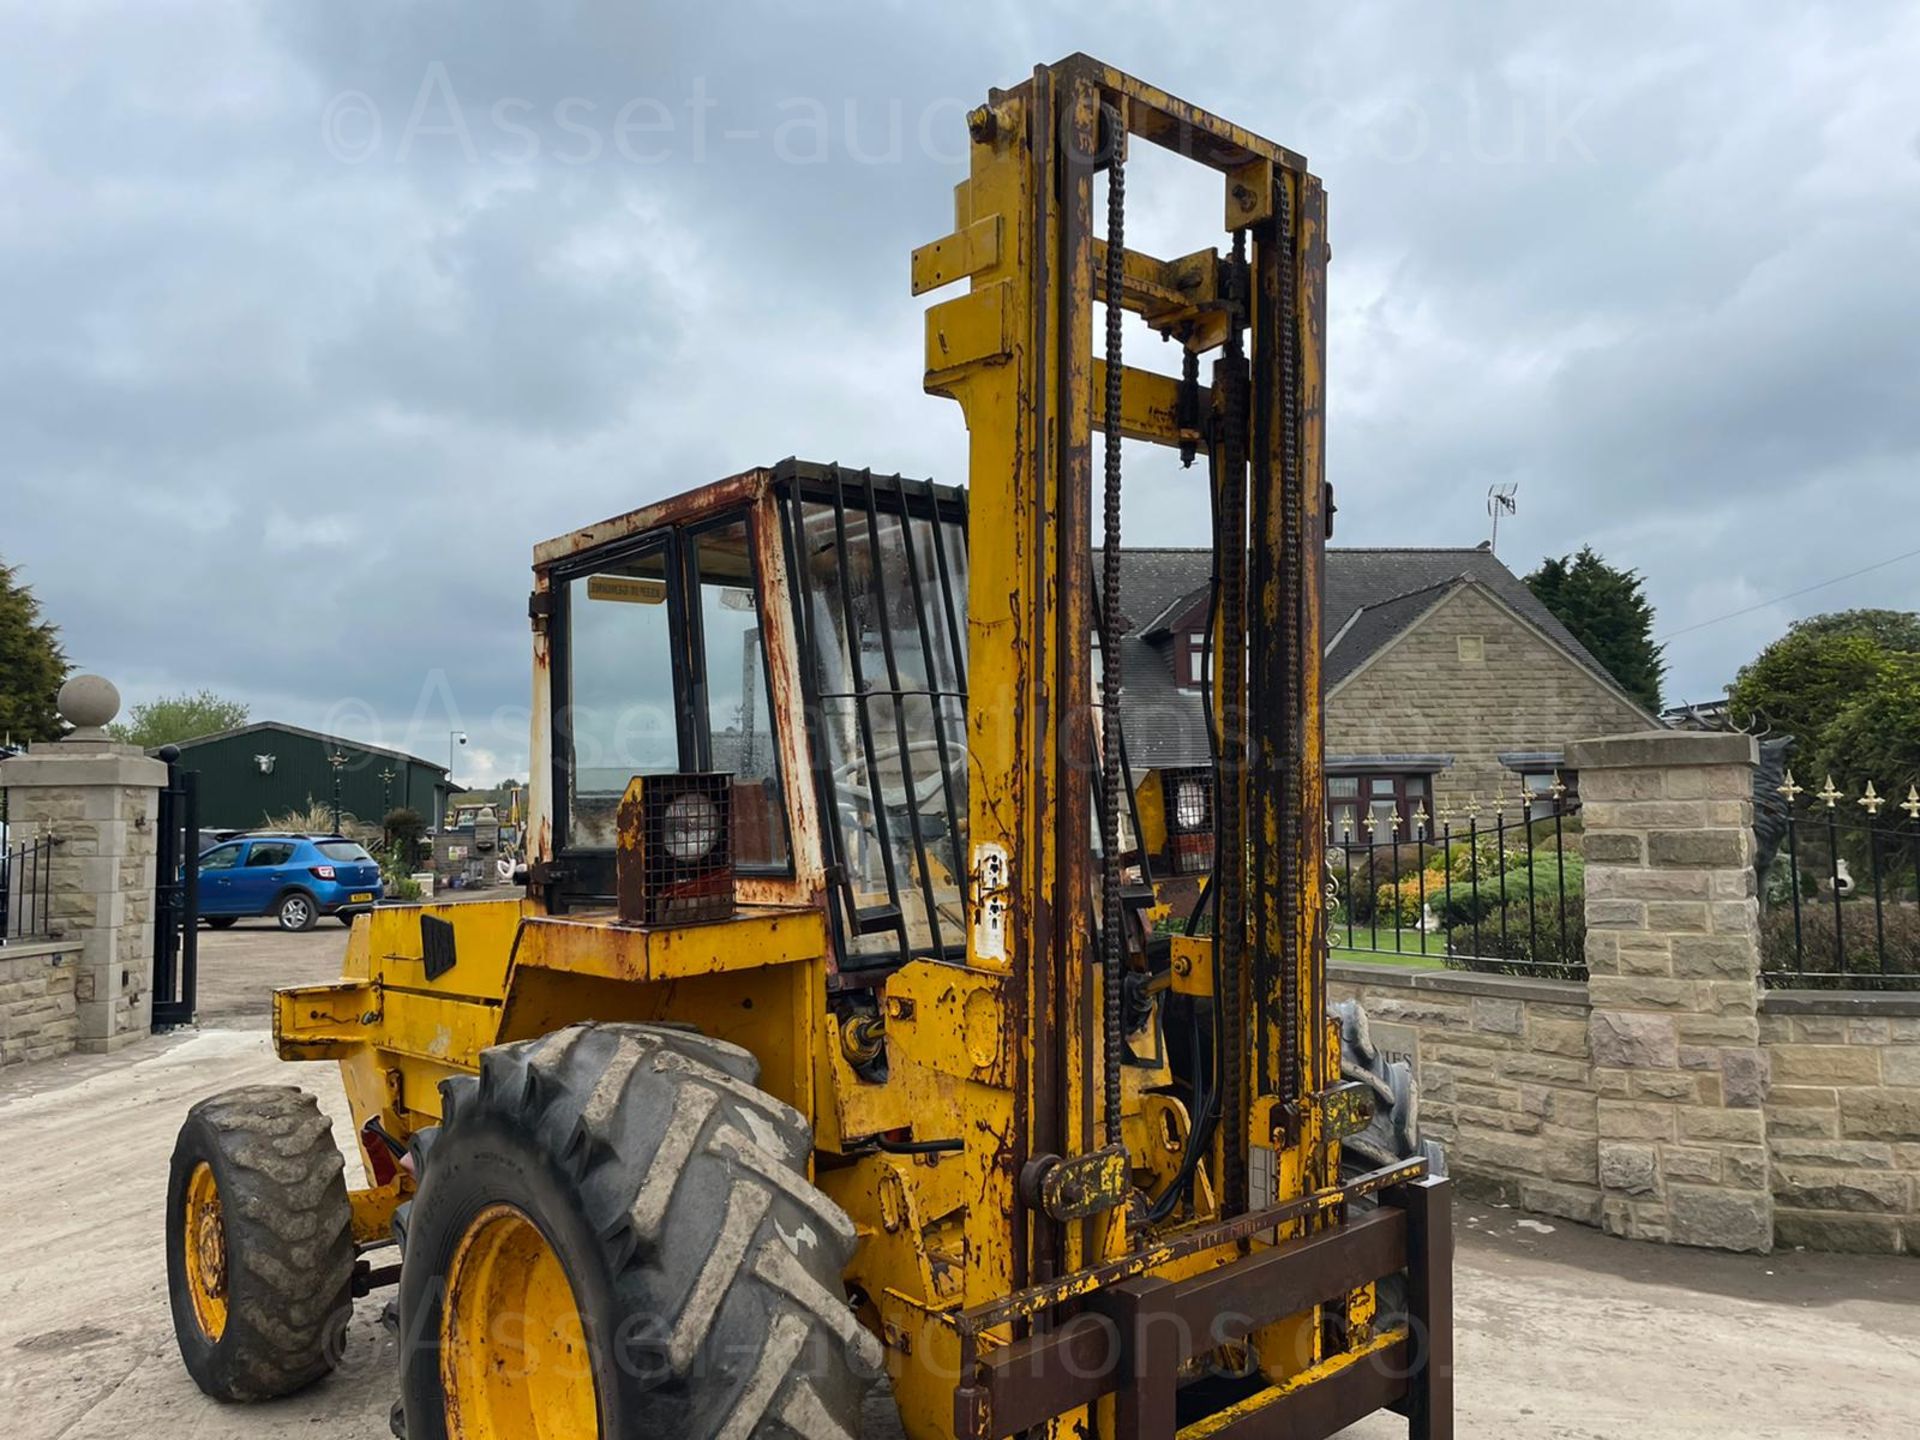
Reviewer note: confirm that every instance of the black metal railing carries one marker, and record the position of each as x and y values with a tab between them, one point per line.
176	898
1840	905
1502	892
26	891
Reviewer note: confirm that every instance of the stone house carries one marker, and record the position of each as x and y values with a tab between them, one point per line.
1447	681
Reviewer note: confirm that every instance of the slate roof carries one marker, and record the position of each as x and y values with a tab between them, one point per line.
1372	596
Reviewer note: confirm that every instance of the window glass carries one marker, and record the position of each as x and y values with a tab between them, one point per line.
738	714
342	850
221	857
269	852
1539	785
619	718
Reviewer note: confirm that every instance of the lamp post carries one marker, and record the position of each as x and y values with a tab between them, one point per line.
387	775
338	760
454	738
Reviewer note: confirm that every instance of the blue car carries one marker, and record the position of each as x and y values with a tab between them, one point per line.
294	878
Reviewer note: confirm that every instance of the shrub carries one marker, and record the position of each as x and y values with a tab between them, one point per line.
1360	874
1787	963
1536	949
1545	928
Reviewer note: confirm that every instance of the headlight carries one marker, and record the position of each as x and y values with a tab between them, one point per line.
1190	804
690	827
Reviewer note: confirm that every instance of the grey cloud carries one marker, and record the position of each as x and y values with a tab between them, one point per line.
285	418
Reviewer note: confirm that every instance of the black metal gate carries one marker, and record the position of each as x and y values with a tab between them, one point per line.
176	899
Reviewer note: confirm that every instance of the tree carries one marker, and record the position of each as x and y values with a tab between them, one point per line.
1894	630
32	665
1607	611
1846	686
173	718
1876	735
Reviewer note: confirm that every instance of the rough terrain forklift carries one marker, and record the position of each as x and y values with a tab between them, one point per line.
865	1019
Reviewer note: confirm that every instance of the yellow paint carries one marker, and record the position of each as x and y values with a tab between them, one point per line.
514	1363
206	1252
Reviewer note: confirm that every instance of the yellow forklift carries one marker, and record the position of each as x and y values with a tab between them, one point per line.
865	1021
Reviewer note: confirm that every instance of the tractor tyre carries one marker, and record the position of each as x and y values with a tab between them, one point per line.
260	1250
1393	1136
643	1213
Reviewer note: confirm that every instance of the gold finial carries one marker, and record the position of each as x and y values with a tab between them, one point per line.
1473	805
1871	801
1421	819
1829	793
1912	805
1393	824
1445	812
1558	788
1792	790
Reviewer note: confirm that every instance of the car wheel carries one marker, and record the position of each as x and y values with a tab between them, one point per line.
297	911
222	922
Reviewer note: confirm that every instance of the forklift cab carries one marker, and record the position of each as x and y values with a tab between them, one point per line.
801	630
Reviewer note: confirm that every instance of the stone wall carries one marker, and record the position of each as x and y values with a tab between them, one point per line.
1523	694
1506	1078
99	803
38	1013
1843	1119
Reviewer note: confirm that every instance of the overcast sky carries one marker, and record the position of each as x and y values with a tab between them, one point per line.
315	317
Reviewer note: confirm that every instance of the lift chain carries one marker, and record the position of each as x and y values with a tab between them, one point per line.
1230	865
1112	917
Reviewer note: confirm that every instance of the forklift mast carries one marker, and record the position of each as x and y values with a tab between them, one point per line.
1017	352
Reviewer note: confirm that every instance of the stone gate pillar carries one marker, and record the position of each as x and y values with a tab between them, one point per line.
99	802
1673	956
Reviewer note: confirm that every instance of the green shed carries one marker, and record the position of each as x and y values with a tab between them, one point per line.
266	769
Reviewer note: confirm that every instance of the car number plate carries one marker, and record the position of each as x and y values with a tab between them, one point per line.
360	897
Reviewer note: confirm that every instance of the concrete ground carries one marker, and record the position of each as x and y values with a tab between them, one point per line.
1564	1334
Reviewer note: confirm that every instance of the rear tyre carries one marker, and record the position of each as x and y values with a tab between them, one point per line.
222	922
1393	1136
627	1191
259	1244
296	911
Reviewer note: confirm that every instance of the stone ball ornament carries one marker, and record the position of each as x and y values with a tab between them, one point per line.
88	703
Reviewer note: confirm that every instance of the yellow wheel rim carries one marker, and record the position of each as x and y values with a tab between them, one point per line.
513	1355
206	1246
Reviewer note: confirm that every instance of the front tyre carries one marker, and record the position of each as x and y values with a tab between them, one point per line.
259	1244
641	1213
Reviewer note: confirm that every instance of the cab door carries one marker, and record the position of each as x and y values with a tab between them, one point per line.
621	702
659	662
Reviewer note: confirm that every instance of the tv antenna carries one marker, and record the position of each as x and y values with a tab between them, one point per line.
1500	502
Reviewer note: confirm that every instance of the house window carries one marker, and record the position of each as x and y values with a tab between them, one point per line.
1540	784
1379	809
1196	660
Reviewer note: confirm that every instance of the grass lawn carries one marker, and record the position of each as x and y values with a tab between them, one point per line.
1418	950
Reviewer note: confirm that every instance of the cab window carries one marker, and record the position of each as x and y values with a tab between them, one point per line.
732	694
269	852
618	716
